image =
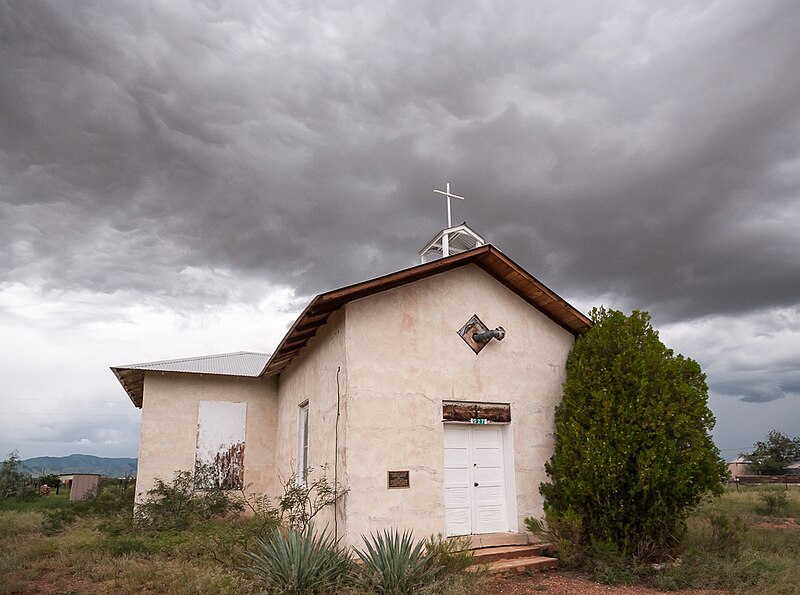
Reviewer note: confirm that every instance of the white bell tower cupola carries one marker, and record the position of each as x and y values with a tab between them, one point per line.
451	240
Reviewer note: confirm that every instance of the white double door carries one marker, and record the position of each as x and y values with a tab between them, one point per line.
475	479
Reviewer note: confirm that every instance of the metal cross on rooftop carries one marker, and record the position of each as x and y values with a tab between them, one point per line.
449	196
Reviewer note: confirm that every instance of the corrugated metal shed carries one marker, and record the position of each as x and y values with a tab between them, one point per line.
242	363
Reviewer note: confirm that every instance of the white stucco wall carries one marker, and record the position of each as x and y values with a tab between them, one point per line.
312	377
168	436
398	356
404	357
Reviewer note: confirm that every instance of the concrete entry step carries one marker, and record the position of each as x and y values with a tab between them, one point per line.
527	564
497	540
493	554
500	558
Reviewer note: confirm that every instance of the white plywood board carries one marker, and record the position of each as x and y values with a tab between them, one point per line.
219	458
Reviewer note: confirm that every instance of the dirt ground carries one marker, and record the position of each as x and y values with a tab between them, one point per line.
557	582
554	582
561	582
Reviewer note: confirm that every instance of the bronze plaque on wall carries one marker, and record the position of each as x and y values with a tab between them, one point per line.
398	479
497	413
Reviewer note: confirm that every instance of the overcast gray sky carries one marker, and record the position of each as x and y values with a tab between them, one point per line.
178	178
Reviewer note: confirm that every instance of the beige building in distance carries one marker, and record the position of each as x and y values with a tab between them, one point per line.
428	393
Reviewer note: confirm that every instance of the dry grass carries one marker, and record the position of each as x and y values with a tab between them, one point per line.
757	555
733	545
83	559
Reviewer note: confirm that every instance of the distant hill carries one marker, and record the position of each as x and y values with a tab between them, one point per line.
108	467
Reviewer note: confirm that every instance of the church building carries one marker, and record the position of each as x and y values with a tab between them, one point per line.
428	393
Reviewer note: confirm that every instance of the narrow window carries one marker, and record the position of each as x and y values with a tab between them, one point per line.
302	444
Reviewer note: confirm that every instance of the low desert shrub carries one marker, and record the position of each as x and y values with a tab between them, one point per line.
773	501
303	500
226	540
726	535
615	573
564	531
229	539
451	556
113	504
55	520
176	505
297	562
111	499
28	494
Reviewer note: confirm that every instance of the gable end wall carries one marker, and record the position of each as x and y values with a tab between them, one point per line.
168	435
405	357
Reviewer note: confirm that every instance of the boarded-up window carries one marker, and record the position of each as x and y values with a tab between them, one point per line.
219	459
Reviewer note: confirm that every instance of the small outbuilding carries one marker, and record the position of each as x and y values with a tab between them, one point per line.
738	467
793	468
80	485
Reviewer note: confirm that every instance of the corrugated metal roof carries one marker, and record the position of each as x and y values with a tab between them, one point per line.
242	363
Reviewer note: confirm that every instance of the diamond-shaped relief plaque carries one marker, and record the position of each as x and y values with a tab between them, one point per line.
473	325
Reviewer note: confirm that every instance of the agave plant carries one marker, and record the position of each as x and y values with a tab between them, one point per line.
299	563
395	564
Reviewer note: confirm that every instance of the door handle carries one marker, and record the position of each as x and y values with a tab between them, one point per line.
476	484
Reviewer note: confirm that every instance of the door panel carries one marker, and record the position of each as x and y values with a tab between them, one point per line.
489	474
457	493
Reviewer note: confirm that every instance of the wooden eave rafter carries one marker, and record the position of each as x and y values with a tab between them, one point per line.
487	257
133	383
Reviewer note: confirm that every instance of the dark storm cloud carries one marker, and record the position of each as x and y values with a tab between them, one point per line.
648	153
759	384
175	160
678	183
748	357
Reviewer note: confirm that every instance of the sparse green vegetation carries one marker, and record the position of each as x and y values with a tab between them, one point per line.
451	556
184	541
14	481
774	500
303	500
731	543
300	561
83	557
175	535
176	505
